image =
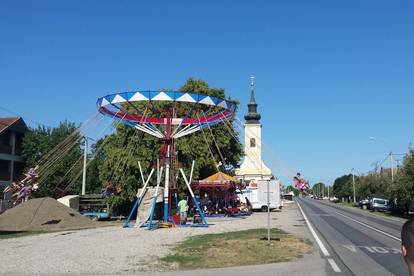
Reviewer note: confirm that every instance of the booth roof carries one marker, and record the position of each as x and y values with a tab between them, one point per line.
219	177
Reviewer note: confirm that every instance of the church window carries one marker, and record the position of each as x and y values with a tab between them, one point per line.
252	142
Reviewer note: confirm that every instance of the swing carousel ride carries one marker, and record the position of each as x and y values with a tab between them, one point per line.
167	115
301	183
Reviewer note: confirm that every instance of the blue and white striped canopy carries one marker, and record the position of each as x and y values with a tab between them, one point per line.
112	105
138	96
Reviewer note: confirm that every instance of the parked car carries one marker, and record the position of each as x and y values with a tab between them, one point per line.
364	203
334	199
379	204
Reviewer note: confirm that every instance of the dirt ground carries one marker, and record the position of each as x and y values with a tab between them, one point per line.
115	249
43	214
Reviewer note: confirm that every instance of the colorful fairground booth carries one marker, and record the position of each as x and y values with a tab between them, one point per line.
218	195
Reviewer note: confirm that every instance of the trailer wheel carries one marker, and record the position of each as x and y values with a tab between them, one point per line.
264	208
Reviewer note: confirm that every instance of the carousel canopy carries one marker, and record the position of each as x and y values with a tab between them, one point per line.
217	180
219	177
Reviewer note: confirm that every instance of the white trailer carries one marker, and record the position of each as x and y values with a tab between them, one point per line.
256	193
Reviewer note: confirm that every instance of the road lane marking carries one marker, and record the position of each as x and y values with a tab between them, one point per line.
319	242
370	227
369	249
380	249
334	266
373	249
351	248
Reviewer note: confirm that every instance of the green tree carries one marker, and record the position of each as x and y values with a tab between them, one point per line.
374	185
342	187
319	189
213	147
400	192
55	150
403	188
95	159
290	188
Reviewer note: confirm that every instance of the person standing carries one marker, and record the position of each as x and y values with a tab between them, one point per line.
183	207
407	244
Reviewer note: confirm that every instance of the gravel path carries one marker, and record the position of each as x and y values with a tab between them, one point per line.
118	250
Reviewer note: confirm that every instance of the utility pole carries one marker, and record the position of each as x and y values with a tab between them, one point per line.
392	166
390	156
353	183
268	211
85	159
328	193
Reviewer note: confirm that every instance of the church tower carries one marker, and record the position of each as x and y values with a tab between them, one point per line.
253	167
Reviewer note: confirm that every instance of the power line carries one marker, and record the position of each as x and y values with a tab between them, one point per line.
25	118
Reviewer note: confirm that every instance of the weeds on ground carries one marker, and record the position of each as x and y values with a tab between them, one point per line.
236	249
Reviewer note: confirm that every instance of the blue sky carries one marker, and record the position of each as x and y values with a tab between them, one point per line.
329	74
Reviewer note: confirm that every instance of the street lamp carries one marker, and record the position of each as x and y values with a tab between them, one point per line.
353	183
390	154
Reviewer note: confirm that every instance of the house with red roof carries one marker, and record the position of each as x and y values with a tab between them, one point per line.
12	130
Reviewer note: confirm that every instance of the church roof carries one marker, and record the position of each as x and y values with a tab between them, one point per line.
252	116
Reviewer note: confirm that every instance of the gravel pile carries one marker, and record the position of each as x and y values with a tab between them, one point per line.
43	214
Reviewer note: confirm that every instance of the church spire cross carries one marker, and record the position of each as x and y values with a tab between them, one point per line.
252	98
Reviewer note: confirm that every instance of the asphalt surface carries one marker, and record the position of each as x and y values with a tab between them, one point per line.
355	242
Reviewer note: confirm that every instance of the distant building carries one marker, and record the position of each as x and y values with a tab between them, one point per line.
253	167
12	130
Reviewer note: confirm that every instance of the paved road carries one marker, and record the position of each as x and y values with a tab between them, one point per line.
355	242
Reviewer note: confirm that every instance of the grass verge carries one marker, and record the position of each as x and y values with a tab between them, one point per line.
388	214
239	248
17	234
348	204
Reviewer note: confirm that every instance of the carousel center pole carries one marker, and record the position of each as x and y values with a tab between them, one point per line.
168	143
167	184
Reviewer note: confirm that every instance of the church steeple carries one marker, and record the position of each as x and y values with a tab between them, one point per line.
252	116
253	168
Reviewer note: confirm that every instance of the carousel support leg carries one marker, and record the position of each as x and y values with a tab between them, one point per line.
194	199
139	198
154	202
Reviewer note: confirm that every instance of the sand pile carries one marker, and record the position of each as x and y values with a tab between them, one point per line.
43	214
